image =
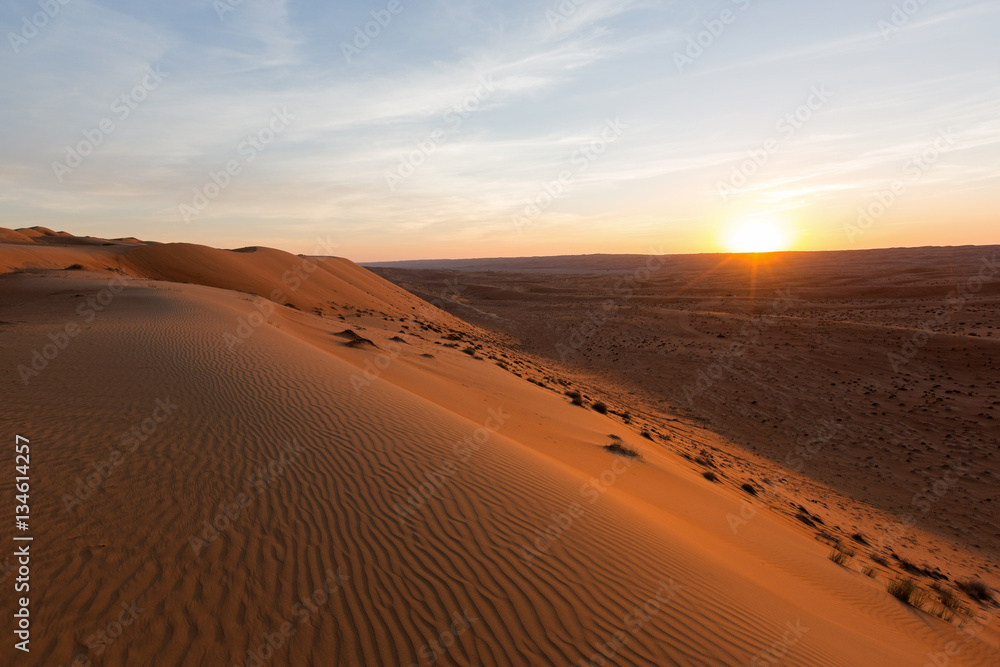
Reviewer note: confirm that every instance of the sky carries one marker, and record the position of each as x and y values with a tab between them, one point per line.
406	129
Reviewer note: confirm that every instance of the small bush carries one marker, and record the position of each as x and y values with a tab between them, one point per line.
575	397
951	601
749	488
907	592
471	351
841	556
710	476
601	407
908	565
870	572
75	267
976	590
646	434
621	449
945	614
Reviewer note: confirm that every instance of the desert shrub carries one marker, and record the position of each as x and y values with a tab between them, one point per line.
575	397
601	407
646	434
749	488
950	601
945	614
869	571
75	267
710	476
471	351
976	590
907	592
841	556
908	565
621	449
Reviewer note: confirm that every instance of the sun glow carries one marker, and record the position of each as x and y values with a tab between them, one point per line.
758	235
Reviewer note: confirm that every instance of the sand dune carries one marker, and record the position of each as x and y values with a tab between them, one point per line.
872	372
214	471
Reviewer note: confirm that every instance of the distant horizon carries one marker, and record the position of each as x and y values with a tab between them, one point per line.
330	242
668	254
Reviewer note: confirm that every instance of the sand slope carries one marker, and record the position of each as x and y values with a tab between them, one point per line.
641	563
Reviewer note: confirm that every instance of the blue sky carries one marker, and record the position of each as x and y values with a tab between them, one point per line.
460	129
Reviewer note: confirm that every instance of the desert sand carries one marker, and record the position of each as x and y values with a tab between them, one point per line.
247	457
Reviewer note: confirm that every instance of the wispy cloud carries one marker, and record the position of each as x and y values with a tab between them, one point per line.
554	78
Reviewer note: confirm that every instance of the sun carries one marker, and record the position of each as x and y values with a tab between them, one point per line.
752	235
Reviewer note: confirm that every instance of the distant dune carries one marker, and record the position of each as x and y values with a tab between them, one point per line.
217	464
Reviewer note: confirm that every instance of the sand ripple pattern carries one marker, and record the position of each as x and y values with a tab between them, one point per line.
330	508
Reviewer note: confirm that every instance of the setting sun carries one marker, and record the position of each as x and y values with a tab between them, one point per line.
758	235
